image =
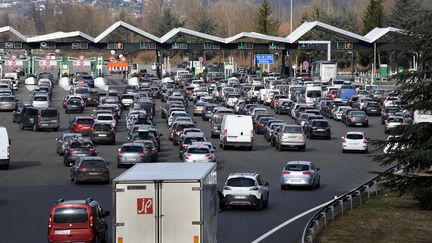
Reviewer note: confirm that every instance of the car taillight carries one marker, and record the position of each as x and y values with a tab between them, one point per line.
50	222
141	154
285	172
8	151
254	189
365	141
344	140
71	149
91	221
153	149
83	169
227	188
89	98
178	133
209	155
187	155
92	149
307	173
366	118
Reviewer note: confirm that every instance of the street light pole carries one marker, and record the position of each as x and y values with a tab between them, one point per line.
291	16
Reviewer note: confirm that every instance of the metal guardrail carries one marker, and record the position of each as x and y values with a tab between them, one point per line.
341	204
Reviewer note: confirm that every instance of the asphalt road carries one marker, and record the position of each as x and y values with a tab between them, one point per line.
37	178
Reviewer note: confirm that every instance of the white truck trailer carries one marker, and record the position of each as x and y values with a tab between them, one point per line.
166	202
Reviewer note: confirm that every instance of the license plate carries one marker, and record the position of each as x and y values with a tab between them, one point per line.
359	124
373	110
43	125
62	232
93	173
102	135
320	130
85	127
240	197
294	181
53	120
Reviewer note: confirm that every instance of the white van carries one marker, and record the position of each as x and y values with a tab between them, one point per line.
262	95
422	116
236	131
269	95
4	148
312	93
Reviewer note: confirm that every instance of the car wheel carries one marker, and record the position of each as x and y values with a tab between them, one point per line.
260	204
280	148
76	182
250	148
266	202
366	151
343	151
56	129
272	143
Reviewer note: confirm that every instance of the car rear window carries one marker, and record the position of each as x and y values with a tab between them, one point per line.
292	130
49	113
105	118
81	145
198	150
70	215
40	98
189	140
102	127
241	182
320	123
132	149
127	97
85	121
297	167
358	113
395	119
354	136
93	164
74	102
7	99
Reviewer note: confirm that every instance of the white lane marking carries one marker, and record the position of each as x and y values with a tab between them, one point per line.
288	222
65	87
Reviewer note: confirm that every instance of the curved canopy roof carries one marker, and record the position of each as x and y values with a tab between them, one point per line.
303	29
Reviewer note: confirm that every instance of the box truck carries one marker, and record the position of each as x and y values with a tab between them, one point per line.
166	202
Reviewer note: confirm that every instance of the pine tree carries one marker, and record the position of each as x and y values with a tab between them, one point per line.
168	22
374	16
204	24
411	145
264	21
401	15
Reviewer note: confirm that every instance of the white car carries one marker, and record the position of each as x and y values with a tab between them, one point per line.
391	101
245	189
106	118
40	100
337	114
355	141
393	121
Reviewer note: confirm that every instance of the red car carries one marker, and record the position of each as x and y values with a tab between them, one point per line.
189	91
77	221
81	124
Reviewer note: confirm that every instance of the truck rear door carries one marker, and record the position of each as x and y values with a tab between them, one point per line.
181	212
136	207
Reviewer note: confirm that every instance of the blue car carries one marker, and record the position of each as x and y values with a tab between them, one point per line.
345	94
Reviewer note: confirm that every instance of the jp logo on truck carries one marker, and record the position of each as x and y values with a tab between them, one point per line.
144	206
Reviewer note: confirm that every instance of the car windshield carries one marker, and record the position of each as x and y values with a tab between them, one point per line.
190	140
85	121
198	151
292	130
395	119
314	94
354	136
70	215
127	97
102	127
131	149
49	113
74	102
93	164
297	167
241	182
7	99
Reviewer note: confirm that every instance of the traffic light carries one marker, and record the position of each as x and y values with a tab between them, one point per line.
344	45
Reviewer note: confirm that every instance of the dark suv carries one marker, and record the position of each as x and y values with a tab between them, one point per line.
78	148
77	221
319	128
103	133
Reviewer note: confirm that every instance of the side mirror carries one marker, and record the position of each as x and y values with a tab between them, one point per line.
318	169
160	134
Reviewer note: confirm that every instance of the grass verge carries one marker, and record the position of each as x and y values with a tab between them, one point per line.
384	218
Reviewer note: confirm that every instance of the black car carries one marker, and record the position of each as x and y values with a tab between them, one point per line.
90	169
319	128
77	149
372	108
74	106
17	113
64	140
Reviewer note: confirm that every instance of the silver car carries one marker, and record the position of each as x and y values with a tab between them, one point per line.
132	153
8	102
199	153
300	173
198	108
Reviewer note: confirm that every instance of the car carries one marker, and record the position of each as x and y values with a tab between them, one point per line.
372	108
103	133
74	105
48	118
64	140
198	108
81	124
318	128
393	121
189	139
77	221
78	148
90	169
290	136
7	102
355	141
41	100
132	153
337	114
357	118
388	111
106	118
198	153
300	173
207	111
152	149
246	189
